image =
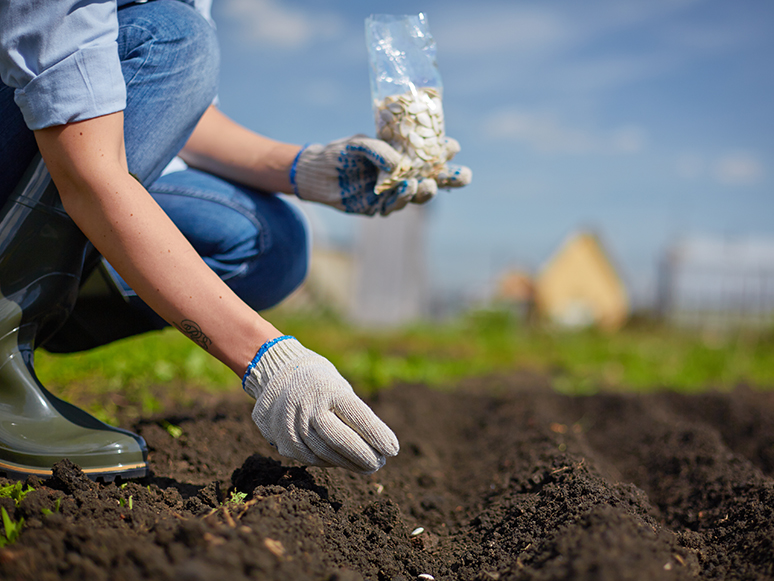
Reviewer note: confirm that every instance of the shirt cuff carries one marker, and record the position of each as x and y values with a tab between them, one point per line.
87	84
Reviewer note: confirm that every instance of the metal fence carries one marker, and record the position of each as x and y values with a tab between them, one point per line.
712	283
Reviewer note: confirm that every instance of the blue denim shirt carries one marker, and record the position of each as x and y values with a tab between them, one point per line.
61	58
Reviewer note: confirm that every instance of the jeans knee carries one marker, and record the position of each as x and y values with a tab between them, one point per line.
170	60
283	265
297	243
199	55
170	43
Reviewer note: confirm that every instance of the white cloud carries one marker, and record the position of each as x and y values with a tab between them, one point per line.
269	22
478	30
543	132
690	166
325	93
739	169
627	139
565	45
481	28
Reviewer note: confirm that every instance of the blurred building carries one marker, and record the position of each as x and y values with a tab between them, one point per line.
389	269
579	286
515	291
328	284
378	281
715	282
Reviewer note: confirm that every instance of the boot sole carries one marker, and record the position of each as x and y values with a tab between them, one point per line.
106	474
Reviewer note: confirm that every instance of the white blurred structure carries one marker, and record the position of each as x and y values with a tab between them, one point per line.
390	283
715	282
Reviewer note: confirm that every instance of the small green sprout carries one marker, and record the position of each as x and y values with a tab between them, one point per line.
48	511
236	498
12	529
172	429
126	502
15	491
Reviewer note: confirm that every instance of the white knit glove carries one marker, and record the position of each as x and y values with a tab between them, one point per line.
343	174
309	412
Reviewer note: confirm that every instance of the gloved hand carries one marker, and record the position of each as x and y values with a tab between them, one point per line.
309	412
343	174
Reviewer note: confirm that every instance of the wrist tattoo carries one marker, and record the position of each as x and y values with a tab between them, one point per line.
194	332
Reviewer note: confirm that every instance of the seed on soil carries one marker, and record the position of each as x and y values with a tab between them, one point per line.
426	577
417	531
213	539
275	547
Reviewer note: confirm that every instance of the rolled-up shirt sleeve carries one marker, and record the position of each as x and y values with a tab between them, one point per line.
61	57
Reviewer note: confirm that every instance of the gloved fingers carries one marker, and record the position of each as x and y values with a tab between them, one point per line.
452	148
382	182
287	444
454	176
346	442
398	197
426	191
357	415
378	152
298	450
330	456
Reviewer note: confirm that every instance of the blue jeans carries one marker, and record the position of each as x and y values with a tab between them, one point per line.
256	241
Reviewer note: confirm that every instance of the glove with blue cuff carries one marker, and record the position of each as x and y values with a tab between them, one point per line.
310	413
344	173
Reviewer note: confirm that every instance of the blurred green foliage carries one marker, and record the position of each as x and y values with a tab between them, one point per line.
139	375
147	373
640	357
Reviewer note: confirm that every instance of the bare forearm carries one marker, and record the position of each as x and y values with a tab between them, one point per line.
222	147
126	225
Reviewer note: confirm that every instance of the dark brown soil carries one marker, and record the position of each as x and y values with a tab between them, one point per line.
509	481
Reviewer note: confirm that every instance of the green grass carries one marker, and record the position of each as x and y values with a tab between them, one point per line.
640	358
139	375
146	373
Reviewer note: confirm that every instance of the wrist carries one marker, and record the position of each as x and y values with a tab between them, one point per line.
259	355
293	174
272	356
279	164
245	338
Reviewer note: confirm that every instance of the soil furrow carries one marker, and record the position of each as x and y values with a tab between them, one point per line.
506	479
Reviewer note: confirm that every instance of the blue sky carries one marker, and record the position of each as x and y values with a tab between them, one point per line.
645	120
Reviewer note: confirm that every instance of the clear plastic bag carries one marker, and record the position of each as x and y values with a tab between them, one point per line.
407	93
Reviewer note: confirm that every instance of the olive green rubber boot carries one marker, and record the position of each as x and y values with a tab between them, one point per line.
41	260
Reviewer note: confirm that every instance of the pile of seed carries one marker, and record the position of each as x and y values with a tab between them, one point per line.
413	124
